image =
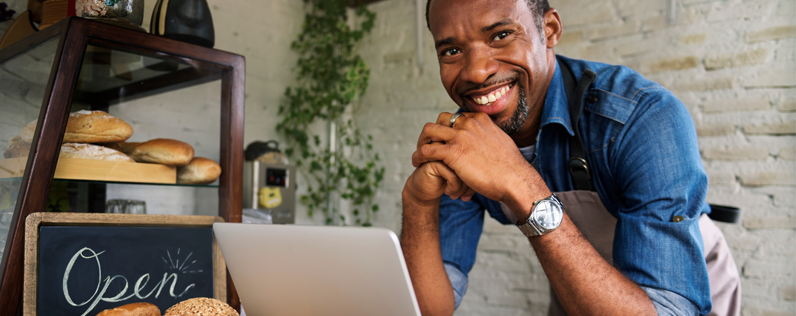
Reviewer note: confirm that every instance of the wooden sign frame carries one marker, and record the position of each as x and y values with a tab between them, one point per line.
35	220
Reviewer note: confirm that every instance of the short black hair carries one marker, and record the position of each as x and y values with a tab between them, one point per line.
538	8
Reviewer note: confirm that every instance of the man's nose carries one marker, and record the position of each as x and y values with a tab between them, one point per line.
479	66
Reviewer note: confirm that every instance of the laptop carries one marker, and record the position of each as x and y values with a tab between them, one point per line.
316	270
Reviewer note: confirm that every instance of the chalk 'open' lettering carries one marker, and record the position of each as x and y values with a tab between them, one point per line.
88	253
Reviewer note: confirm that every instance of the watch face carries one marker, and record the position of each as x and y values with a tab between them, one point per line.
548	214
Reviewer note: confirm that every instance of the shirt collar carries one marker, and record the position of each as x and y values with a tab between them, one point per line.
556	106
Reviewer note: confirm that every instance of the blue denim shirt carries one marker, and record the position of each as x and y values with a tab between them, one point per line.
642	148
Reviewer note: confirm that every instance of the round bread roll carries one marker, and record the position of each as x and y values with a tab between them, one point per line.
17	148
164	151
201	306
96	127
89	151
199	171
133	309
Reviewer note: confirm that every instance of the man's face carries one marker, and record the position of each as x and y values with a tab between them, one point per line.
492	59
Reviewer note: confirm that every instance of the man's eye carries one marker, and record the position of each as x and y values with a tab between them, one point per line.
450	52
500	36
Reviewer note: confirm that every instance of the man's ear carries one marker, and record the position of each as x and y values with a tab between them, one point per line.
552	27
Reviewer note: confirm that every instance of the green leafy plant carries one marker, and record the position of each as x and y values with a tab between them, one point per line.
330	78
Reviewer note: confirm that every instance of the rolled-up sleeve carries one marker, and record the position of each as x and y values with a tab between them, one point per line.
460	227
656	165
668	303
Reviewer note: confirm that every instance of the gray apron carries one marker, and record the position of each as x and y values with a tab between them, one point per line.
587	211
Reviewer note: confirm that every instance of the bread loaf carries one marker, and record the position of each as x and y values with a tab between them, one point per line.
96	127
201	306
17	148
133	309
89	151
88	127
199	171
165	151
28	131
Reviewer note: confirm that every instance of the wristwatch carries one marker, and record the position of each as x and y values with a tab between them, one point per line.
546	216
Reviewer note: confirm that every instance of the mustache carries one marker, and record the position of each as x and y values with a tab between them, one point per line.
492	81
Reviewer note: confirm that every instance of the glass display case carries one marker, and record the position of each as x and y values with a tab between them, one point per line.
160	88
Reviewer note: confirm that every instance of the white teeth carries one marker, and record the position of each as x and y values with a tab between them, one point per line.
492	97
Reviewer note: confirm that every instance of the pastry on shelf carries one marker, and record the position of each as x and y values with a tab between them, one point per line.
132	309
199	171
164	151
201	306
94	152
17	148
88	127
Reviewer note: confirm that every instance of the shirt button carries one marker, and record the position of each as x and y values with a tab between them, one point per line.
677	218
591	98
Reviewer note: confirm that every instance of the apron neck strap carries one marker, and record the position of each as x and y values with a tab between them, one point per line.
578	166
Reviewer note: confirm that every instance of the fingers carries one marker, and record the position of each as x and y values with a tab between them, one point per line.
455	187
431	152
468	195
434	133
444	119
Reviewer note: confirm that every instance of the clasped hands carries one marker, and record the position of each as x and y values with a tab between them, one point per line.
474	155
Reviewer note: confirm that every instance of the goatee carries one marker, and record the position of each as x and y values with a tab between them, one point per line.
513	123
517	118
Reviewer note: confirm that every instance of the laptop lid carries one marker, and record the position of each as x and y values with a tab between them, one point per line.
317	270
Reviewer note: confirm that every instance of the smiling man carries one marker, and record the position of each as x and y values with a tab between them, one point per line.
623	235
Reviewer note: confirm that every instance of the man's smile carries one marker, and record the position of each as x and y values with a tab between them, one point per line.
492	96
490	101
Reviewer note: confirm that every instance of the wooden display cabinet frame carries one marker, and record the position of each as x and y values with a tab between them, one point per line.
74	35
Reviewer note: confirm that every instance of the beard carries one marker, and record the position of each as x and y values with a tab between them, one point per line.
513	123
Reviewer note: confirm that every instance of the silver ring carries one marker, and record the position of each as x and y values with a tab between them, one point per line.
454	117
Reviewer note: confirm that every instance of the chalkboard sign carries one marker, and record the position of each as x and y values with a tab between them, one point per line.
86	263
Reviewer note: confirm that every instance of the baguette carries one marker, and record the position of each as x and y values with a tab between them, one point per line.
164	151
199	171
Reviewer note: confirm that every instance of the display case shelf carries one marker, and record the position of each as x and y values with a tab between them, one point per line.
163	88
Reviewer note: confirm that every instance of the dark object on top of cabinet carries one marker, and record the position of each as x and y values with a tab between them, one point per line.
184	20
73	35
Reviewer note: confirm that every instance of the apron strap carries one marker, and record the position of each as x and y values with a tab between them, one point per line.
578	166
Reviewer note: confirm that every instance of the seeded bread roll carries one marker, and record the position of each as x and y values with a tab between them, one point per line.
199	171
88	127
17	148
164	151
89	151
134	309
201	306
